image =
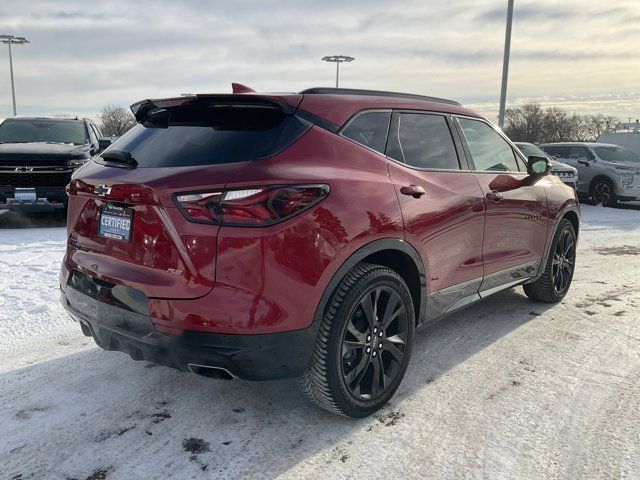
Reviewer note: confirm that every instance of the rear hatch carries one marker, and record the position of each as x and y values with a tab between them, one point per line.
123	223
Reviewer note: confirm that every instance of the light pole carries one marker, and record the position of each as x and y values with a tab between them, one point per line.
338	59
505	64
9	40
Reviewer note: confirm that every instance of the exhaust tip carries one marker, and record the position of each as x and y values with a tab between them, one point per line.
211	372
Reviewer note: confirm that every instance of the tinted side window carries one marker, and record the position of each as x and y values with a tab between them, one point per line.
490	152
549	150
558	152
369	129
423	141
579	153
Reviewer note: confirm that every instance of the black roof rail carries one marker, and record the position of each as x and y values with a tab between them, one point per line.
374	93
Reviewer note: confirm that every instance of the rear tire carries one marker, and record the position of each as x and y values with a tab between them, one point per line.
554	283
364	343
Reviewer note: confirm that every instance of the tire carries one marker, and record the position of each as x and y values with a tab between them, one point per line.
350	351
602	192
554	283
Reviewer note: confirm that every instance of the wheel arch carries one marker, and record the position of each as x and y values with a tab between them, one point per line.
574	218
395	253
570	212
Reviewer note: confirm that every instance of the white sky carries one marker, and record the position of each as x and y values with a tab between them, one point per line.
583	55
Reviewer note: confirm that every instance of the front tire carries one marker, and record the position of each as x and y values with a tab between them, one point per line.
364	343
602	192
554	283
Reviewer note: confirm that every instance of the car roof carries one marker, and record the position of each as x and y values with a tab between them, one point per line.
54	119
335	106
374	93
578	144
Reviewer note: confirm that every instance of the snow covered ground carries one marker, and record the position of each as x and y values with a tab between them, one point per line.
508	389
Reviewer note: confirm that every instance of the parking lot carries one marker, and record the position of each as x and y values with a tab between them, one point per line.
507	389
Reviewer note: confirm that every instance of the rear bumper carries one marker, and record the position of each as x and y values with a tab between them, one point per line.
114	326
48	200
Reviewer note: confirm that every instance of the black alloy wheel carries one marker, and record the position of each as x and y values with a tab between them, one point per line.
559	265
364	342
602	193
374	342
564	258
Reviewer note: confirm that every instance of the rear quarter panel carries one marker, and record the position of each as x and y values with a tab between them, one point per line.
271	279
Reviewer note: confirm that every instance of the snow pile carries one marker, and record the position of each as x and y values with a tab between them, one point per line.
508	389
33	324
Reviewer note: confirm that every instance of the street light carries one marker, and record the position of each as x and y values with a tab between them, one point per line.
338	59
9	40
505	64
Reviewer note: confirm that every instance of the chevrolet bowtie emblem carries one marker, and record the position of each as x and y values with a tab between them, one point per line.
102	190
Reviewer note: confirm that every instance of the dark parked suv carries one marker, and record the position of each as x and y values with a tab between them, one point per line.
306	235
37	158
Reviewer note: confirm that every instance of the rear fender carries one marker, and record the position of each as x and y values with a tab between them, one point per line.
367	250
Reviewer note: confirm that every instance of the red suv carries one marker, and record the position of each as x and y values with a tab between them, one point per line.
307	235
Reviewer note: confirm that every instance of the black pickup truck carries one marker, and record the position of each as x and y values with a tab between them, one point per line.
38	156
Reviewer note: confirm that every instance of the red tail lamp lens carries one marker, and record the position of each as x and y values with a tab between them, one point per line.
199	207
258	206
78	186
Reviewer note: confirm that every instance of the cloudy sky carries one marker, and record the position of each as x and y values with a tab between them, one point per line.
583	55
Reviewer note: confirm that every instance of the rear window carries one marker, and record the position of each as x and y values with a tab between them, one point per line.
210	135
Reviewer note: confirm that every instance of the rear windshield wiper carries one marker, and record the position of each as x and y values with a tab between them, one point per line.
120	158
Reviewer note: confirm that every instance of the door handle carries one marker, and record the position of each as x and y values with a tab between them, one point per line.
495	196
414	191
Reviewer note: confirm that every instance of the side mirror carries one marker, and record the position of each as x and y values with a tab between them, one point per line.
538	165
584	161
103	143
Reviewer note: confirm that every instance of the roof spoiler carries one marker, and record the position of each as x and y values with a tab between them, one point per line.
141	110
242	95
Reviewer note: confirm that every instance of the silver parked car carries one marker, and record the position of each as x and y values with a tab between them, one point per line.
566	173
607	173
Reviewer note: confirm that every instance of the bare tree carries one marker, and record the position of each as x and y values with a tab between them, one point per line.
115	120
531	123
596	125
525	122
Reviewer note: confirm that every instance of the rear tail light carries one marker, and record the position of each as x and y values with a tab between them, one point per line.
78	186
256	206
